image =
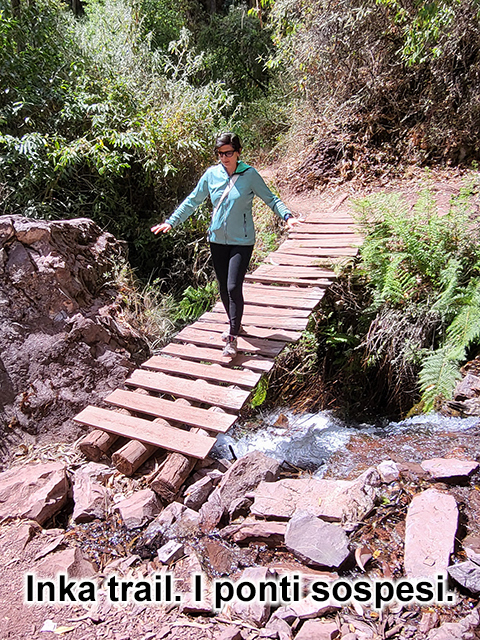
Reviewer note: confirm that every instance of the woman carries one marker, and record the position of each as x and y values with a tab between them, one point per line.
231	185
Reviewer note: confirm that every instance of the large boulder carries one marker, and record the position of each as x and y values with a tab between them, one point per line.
72	561
345	501
316	542
89	493
62	342
243	476
430	528
139	509
35	491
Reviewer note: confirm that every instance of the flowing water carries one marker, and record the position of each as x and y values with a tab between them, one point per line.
325	446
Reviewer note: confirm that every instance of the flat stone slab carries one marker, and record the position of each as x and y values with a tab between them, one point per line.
316	542
331	500
71	561
304	609
255	612
467	574
35	491
431	524
139	509
267	531
443	468
317	630
243	476
89	494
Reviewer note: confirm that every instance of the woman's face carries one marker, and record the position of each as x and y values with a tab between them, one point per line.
230	164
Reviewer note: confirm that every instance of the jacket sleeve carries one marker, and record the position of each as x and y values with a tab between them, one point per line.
262	191
191	202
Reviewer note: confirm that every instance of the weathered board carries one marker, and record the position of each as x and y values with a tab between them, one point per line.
218	325
249	345
170	438
255	310
294	324
322	252
197	390
162	408
204	354
295	272
311	293
205	371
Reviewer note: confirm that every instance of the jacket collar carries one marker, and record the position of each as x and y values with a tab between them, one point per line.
241	167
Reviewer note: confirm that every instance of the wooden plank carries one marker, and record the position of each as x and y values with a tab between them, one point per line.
343	237
294	272
322	240
318	252
267	322
287	259
318	242
169	438
202	354
254	310
267	328
291	292
284	280
275	300
205	371
197	390
326	227
332	217
161	408
250	345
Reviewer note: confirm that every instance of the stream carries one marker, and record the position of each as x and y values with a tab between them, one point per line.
325	446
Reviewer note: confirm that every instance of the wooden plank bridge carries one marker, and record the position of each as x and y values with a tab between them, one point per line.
182	398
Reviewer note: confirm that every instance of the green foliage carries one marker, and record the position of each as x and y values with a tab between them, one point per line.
425	265
122	133
423	25
387	79
196	301
162	20
260	392
236	51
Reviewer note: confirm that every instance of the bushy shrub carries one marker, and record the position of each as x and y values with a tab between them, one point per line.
388	80
125	134
423	269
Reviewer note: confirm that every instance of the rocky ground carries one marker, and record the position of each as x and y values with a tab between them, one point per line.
246	522
63	346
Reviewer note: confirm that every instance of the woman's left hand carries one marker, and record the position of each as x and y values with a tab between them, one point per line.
291	223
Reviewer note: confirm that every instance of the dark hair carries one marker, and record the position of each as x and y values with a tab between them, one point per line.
228	138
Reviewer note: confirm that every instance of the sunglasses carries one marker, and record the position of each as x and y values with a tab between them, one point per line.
227	154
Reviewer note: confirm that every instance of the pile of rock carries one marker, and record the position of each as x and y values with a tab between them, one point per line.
242	521
62	342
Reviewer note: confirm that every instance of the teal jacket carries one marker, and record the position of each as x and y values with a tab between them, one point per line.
233	221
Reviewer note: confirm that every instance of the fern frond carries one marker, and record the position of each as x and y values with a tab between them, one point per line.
397	281
449	279
439	374
465	328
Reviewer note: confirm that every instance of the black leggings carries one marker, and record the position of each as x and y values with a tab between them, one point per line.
231	263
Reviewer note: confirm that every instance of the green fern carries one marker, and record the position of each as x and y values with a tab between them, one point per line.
415	258
465	328
439	374
196	301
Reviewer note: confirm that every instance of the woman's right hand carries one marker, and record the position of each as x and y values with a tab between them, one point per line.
164	227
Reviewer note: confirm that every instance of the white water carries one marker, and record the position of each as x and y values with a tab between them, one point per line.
309	440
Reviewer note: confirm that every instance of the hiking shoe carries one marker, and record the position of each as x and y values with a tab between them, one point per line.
230	349
226	333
